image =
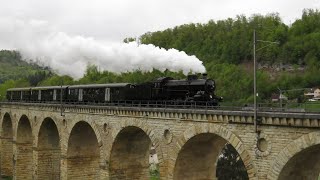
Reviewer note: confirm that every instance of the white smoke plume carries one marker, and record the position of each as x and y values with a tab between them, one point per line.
70	55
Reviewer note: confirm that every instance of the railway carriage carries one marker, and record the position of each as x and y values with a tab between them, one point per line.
47	93
98	93
18	94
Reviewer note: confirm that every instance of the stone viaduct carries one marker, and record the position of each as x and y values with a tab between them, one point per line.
91	142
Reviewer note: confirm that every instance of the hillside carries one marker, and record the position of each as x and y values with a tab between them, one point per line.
226	48
231	40
12	67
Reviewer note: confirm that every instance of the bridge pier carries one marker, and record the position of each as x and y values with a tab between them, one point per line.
83	154
35	163
104	173
24	152
63	168
130	155
48	151
6	146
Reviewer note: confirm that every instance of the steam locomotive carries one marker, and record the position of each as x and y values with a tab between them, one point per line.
164	89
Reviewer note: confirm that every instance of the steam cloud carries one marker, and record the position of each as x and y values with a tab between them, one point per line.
70	55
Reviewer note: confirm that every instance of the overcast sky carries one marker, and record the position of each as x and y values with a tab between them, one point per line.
113	20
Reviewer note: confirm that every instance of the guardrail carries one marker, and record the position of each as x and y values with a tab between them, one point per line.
264	107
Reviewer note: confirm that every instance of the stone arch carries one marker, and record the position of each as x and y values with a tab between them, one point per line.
48	146
93	126
298	160
24	159
196	140
7	146
39	125
83	153
130	150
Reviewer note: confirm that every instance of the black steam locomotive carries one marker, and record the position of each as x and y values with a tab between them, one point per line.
165	89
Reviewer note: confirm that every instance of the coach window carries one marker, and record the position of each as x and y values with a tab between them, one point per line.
54	94
80	94
97	91
39	95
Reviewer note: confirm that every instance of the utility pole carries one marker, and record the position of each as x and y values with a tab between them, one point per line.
280	97
255	94
61	103
255	82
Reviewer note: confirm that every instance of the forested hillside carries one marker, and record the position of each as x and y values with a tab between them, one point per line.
14	72
230	41
12	67
226	48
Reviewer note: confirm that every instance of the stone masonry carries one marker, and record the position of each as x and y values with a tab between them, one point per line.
91	142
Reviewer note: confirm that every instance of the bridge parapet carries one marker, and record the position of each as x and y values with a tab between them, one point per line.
294	119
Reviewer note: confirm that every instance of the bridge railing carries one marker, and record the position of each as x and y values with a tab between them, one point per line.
265	107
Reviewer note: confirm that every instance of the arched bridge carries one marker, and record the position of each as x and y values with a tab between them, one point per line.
92	142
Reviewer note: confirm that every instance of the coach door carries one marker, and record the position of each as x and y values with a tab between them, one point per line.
107	95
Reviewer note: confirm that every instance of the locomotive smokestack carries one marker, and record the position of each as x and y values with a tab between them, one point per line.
192	77
204	76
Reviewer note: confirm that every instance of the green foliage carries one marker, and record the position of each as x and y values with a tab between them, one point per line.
93	75
226	75
312	106
57	81
130	39
12	66
37	77
303	42
230	166
227	41
154	173
12	84
223	45
6	178
14	72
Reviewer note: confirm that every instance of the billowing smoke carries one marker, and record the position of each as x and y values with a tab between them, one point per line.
70	55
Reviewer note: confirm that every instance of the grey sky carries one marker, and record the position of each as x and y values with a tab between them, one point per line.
113	20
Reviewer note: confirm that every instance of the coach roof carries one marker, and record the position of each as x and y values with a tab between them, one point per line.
113	85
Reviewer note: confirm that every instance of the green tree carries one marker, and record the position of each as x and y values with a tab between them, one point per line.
57	81
230	165
130	39
12	84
